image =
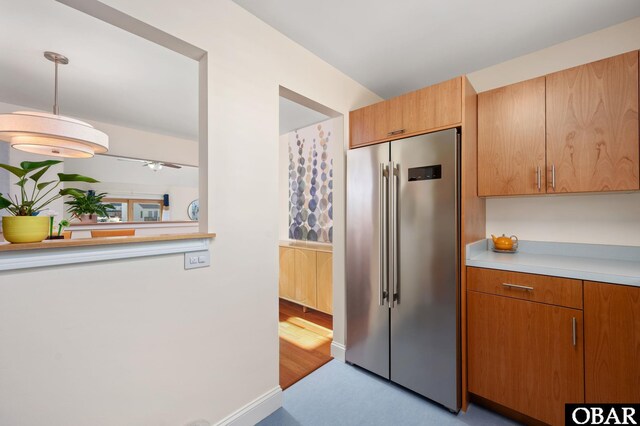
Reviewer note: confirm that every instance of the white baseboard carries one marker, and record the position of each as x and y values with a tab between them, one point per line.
338	351
256	410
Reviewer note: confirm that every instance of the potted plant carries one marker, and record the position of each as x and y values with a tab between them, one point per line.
24	225
87	206
59	236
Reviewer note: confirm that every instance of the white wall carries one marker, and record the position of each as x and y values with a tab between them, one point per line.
599	218
283	186
4	174
143	342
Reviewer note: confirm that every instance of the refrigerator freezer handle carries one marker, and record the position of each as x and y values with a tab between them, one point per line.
394	172
382	228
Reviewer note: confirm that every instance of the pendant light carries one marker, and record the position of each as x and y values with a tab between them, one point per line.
52	134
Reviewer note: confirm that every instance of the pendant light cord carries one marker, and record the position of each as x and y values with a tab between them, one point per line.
56	110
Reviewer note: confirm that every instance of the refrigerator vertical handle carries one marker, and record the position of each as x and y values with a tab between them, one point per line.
393	233
384	281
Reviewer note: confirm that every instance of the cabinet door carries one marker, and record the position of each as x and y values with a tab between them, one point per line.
511	139
612	349
433	107
305	273
286	281
592	126
522	355
325	282
375	122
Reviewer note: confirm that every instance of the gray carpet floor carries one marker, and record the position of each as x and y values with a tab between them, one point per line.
339	394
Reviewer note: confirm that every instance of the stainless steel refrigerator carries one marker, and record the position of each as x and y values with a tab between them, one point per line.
402	263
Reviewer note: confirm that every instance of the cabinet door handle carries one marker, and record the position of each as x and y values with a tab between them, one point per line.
518	287
553	176
538	179
395	132
573	328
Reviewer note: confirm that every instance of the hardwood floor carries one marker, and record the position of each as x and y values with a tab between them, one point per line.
305	342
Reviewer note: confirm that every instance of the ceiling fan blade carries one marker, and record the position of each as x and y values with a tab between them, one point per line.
173	166
133	160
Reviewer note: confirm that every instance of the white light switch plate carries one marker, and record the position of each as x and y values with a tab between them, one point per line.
197	259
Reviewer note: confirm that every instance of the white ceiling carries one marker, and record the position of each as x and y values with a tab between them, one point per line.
113	76
294	116
392	47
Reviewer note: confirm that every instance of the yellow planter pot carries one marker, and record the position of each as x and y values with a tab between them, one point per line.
25	229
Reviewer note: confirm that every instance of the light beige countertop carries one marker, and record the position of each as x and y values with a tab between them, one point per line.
589	262
308	245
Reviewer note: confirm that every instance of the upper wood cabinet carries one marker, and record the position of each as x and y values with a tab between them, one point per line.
432	108
375	122
592	126
511	139
612	348
571	131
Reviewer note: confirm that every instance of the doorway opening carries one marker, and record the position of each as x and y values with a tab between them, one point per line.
311	136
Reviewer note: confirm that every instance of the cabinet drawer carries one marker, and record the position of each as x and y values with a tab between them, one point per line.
536	288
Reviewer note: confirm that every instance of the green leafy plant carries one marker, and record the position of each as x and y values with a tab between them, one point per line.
63	224
88	202
35	195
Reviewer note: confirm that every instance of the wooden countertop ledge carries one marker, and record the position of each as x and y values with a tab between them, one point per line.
88	242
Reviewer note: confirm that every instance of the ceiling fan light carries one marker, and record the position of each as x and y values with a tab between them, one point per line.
155	166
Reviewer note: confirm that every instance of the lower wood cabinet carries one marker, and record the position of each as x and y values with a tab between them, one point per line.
324	282
525	355
612	333
286	281
530	351
306	277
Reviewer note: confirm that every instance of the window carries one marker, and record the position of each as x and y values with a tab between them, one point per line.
135	210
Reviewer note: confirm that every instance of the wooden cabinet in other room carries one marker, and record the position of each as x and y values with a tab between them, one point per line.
511	139
305	273
324	282
306	277
592	126
525	355
286	280
612	350
431	108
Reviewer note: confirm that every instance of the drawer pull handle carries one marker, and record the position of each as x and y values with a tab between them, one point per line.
518	287
395	132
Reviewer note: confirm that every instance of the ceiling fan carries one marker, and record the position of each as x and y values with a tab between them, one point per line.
153	165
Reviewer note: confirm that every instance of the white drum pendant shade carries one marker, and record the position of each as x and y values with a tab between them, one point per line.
53	135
